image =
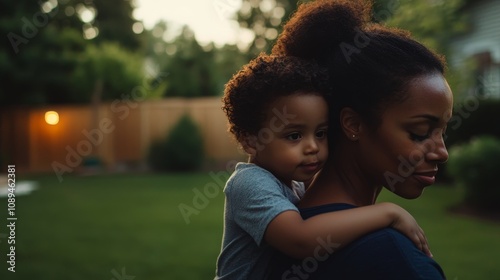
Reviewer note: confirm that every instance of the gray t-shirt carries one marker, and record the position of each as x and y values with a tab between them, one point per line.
254	197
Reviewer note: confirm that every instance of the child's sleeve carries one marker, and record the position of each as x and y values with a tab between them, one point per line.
255	199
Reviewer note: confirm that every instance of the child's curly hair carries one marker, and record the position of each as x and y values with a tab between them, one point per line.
249	93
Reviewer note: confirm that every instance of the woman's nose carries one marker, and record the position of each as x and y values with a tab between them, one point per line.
438	152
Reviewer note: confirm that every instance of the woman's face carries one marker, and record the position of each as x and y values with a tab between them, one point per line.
403	153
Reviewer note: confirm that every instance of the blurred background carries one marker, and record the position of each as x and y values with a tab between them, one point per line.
110	122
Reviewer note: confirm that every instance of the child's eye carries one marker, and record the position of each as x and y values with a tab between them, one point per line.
293	136
321	134
418	138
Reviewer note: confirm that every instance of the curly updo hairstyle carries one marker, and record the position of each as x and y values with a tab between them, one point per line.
370	65
249	94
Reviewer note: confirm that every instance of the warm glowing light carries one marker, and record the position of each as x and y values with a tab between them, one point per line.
52	117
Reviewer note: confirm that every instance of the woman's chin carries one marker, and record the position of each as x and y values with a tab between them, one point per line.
408	193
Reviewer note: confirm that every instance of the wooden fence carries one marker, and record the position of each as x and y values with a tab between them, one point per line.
118	133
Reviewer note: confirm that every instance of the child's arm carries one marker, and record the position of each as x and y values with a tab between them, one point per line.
299	238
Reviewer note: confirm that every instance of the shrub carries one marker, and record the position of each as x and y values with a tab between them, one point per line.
182	150
472	117
475	167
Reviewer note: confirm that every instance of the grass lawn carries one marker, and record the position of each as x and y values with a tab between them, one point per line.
124	226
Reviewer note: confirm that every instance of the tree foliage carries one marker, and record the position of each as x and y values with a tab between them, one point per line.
45	52
265	19
111	20
37	58
114	20
193	70
107	70
433	22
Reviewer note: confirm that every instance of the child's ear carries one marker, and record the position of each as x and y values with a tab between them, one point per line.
350	123
249	144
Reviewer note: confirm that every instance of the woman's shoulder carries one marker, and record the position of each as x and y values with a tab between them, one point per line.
386	242
388	252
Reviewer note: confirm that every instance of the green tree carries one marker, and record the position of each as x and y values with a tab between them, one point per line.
265	19
114	20
101	21
192	70
433	23
110	71
156	49
44	51
228	60
36	57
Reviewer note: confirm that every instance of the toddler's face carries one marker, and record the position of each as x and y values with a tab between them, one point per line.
292	143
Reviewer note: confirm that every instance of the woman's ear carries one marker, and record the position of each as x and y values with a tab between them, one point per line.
350	123
249	144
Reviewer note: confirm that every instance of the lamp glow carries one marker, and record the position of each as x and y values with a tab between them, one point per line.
52	117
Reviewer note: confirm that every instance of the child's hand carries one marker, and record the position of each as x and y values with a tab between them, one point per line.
405	223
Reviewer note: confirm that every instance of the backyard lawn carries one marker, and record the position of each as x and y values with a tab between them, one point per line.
126	227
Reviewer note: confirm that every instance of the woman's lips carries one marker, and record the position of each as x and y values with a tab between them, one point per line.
424	179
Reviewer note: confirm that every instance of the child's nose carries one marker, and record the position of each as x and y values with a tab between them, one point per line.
311	147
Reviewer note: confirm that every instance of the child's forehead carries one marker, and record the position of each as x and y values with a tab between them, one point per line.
297	108
301	99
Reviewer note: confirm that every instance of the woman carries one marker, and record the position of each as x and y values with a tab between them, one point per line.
389	111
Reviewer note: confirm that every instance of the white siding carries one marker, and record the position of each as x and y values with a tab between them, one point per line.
483	37
485	33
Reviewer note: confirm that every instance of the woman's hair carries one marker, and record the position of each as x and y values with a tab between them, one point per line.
249	93
370	65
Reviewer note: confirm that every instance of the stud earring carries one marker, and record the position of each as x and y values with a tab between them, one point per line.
353	136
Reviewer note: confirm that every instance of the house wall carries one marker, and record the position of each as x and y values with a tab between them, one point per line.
482	44
485	32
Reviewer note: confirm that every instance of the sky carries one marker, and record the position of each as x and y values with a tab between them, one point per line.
209	19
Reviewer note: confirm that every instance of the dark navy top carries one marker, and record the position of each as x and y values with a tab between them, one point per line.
385	254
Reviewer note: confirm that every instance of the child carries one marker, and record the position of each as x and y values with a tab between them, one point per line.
278	113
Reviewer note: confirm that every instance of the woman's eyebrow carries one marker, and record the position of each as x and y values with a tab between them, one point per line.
427	116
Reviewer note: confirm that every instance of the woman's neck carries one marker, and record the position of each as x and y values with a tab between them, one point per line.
341	181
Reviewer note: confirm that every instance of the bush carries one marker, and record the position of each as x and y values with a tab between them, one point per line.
472	117
181	151
475	167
